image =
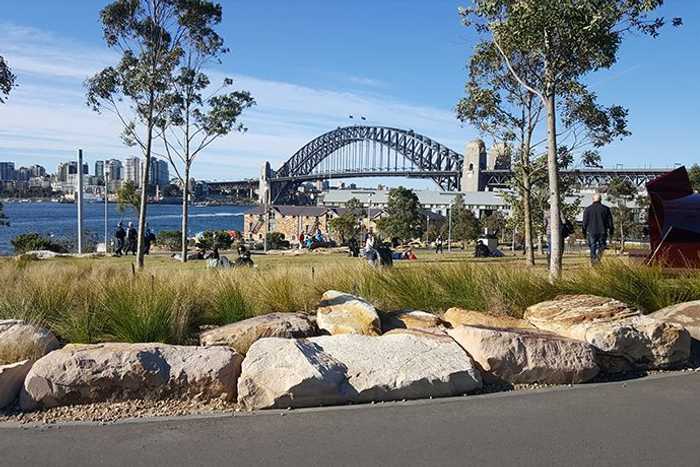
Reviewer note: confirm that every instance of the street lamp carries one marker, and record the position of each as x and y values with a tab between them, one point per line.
106	181
449	229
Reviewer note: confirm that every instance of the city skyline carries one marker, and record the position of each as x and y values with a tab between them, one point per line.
303	92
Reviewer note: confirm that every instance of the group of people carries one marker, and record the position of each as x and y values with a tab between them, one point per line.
126	240
306	240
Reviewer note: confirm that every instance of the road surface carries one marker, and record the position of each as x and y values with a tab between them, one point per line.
650	421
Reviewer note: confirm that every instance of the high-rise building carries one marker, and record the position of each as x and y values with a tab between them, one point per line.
65	169
114	170
7	171
23	174
100	169
132	169
37	171
159	173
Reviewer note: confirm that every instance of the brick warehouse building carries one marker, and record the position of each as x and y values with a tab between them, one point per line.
288	220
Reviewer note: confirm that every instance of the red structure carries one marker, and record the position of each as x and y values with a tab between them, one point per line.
674	221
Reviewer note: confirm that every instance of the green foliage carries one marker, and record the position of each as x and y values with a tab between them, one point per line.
143	310
229	302
7	80
465	225
646	288
621	192
128	196
694	176
495	223
402	215
276	241
565	40
211	239
347	224
169	239
33	241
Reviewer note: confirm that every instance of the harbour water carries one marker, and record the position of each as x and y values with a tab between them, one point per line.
60	220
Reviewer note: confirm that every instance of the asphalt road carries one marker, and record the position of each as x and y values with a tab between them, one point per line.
650	421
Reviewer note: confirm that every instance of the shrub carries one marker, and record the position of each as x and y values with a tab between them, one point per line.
210	239
229	303
150	310
170	240
33	241
276	241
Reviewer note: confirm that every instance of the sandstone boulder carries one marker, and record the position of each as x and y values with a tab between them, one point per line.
460	317
686	315
343	313
20	340
410	319
523	356
79	374
11	380
614	328
280	373
242	334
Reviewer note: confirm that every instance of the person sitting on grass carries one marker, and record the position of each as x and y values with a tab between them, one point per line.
481	250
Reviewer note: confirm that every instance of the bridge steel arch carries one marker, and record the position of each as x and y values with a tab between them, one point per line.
431	159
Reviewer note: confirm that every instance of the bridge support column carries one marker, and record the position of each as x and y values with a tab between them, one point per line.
264	194
474	163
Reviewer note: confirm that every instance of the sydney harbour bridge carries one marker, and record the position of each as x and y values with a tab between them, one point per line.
378	151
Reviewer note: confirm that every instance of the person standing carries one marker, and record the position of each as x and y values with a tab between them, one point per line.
131	236
149	239
438	244
597	225
119	235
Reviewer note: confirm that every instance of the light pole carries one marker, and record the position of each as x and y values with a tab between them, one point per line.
449	229
369	207
104	174
79	201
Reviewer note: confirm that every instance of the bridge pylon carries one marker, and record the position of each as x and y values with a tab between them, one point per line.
264	188
474	163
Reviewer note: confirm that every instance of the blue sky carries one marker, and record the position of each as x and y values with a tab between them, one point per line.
310	63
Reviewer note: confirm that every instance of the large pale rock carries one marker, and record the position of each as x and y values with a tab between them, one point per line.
410	319
342	313
686	315
242	334
613	328
11	380
523	356
79	374
280	373
20	340
460	317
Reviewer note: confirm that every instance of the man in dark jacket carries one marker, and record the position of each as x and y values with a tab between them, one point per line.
131	239
119	235
597	225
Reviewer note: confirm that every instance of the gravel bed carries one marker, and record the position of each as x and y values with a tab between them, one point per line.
109	412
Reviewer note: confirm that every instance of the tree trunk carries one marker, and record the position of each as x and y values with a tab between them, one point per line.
185	212
144	199
527	228
555	262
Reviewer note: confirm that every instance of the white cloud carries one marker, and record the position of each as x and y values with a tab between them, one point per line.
46	119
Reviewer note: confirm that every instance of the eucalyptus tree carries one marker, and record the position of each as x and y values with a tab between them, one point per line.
151	36
568	39
7	81
198	115
621	192
499	107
